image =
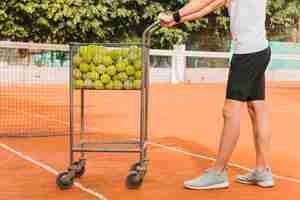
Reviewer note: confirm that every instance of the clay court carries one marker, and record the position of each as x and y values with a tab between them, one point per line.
185	125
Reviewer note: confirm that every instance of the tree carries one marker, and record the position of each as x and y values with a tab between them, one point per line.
282	14
63	21
298	28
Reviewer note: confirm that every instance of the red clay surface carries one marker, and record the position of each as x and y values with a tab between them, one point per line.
186	117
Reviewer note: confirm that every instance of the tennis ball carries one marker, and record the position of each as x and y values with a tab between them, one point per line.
79	84
138	75
98	85
105	78
115	54
132	78
117	85
83	50
101	69
134	49
135	53
123	76
137	84
88	83
106	60
137	64
83	76
97	59
76	60
101	51
121	66
125	61
86	54
128	85
124	53
76	74
115	77
111	70
83	67
130	70
93	50
92	75
92	67
109	85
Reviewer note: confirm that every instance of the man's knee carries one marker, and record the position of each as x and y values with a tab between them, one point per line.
255	107
231	109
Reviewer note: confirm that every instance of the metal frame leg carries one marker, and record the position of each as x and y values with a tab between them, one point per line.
82	120
145	90
71	108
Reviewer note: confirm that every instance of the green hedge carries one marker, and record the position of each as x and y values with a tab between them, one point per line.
63	21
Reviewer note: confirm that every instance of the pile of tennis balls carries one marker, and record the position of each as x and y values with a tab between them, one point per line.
99	67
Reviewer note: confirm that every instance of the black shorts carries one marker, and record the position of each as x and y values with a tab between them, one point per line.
246	81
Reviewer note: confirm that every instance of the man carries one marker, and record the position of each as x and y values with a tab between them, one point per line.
246	84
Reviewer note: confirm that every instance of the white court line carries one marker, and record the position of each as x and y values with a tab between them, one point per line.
213	159
51	170
290	179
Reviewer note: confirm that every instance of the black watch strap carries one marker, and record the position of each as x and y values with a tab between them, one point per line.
177	17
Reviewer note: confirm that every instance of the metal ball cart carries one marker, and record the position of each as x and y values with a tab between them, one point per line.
138	170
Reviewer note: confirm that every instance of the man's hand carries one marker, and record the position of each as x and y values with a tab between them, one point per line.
227	3
166	20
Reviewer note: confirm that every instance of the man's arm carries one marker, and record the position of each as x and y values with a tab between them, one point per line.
204	11
195	6
193	10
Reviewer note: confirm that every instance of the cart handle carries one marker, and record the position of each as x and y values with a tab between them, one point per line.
148	32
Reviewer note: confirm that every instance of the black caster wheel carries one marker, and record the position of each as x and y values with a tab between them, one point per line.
139	167
134	180
79	168
135	167
64	180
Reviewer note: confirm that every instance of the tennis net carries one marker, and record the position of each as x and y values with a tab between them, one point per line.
34	90
34	84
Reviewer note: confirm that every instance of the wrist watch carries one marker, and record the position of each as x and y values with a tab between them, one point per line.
177	17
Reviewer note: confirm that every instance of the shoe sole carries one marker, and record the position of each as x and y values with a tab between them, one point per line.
245	182
216	186
264	184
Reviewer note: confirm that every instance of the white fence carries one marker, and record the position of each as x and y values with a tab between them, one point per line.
175	73
178	73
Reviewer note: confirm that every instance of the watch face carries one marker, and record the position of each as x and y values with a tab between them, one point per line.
177	17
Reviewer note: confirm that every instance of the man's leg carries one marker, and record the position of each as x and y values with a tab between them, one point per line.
230	133
258	113
217	177
238	89
262	175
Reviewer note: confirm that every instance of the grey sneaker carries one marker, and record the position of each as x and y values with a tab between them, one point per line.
209	180
261	178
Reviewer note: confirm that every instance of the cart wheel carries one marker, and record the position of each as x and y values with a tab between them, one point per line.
139	167
79	169
135	166
64	180
134	180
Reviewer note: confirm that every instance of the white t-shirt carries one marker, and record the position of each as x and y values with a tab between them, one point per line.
247	25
